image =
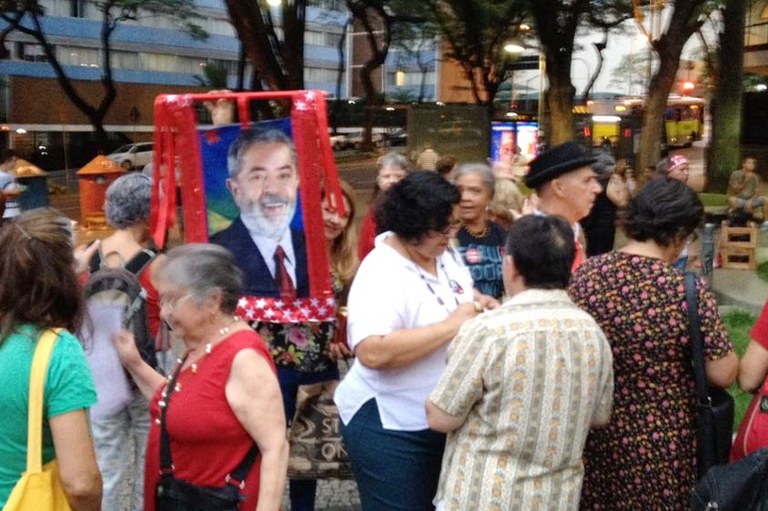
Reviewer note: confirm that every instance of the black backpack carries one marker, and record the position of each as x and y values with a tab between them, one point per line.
121	285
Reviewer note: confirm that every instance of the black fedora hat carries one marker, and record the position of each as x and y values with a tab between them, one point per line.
555	162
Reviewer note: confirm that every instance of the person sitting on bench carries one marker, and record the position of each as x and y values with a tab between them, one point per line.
743	188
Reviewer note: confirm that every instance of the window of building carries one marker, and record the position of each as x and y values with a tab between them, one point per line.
31	52
77	8
331	5
157	62
78	56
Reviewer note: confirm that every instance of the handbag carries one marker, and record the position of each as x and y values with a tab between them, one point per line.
173	494
753	431
737	486
316	448
39	488
714	425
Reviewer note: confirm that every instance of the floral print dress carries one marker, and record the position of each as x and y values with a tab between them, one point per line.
645	457
303	347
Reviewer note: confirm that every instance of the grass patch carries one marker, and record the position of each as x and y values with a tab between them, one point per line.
713	199
738	323
762	270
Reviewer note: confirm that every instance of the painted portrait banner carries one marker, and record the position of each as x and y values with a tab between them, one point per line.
255	188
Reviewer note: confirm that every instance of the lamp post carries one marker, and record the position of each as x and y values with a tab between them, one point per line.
514	49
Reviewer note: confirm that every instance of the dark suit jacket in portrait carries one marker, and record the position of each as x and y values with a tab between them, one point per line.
257	279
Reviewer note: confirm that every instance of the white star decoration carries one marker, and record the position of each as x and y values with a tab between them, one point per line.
275	310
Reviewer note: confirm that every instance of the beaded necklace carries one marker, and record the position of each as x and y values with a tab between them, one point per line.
455	287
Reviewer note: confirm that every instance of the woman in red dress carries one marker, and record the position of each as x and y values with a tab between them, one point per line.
226	396
392	167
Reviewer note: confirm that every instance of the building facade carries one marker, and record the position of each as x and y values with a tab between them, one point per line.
150	55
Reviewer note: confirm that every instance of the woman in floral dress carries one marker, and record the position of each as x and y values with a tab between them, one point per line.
306	353
645	457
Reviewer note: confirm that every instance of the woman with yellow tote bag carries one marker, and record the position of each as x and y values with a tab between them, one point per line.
39	487
46	453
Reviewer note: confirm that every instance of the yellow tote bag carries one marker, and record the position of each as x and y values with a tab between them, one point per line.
39	488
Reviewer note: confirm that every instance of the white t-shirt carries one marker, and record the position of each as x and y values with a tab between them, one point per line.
391	293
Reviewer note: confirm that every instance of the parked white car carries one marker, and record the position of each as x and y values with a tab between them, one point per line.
131	156
356	139
339	141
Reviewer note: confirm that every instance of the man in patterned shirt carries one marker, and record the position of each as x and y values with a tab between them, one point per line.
523	385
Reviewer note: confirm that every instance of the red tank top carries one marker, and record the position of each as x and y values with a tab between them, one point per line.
207	440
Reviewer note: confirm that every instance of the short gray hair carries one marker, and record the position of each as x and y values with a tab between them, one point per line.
394	159
249	137
202	268
486	174
127	200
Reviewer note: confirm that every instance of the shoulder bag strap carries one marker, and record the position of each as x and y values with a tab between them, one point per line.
166	463
694	337
235	478
36	387
140	261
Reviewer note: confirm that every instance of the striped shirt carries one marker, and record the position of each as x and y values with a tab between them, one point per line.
530	377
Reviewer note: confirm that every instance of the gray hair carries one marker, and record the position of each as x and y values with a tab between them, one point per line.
250	137
394	159
127	200
486	173
202	268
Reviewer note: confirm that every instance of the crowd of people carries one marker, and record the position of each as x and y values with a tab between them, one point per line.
503	353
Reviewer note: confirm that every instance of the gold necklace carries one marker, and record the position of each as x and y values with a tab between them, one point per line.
482	233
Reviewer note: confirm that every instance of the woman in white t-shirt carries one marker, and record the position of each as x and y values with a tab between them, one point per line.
408	300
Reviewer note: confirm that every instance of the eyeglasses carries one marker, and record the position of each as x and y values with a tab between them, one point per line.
170	303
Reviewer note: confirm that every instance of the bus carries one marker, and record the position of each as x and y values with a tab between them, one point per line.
612	120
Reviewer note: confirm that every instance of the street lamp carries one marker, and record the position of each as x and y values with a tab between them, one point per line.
514	48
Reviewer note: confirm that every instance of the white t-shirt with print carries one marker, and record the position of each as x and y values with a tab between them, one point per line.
391	293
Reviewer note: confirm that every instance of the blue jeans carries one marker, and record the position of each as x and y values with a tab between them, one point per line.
112	438
302	491
395	470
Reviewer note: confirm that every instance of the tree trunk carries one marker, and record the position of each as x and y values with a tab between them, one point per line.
556	23
724	150
559	97
683	23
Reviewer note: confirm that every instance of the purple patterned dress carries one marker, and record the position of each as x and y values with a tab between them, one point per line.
644	459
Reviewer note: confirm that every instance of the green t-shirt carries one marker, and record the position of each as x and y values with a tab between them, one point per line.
68	387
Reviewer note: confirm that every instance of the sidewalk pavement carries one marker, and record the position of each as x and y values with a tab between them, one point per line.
743	288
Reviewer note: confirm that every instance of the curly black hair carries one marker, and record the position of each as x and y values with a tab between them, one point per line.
665	210
420	203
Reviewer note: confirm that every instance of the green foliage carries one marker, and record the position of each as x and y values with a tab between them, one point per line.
476	33
713	199
631	75
180	12
214	76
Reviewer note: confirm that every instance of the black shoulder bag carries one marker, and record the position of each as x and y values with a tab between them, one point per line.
173	494
714	425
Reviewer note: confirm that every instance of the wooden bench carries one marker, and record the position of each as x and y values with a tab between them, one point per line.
737	247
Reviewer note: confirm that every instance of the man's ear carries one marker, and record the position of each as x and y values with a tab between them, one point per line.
558	186
232	186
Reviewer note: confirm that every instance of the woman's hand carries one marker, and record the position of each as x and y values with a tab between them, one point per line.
144	376
125	345
461	314
338	349
486	301
83	256
222	110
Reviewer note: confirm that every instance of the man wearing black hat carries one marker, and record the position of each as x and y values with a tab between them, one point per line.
566	185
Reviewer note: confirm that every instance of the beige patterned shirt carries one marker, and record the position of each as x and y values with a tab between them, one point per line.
530	377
